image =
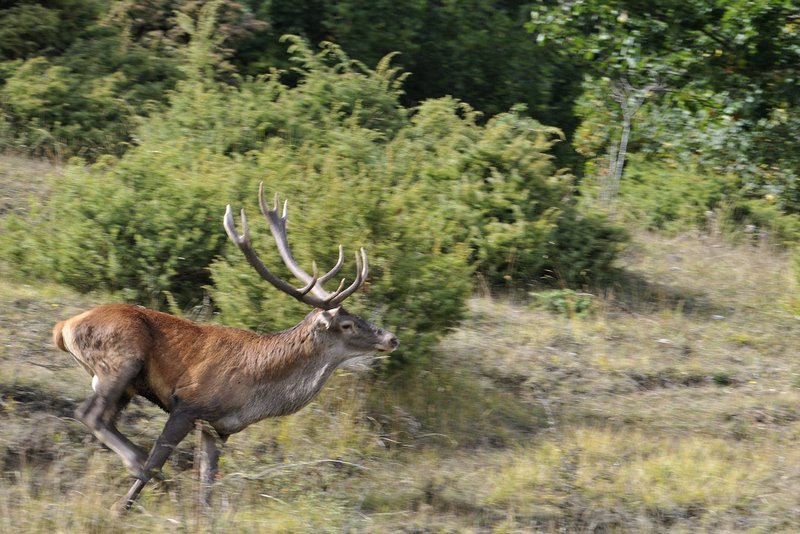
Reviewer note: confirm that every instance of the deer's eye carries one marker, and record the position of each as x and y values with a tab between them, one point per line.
347	326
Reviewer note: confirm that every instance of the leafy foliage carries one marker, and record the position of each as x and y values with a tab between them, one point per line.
433	195
84	102
564	302
54	111
30	28
673	197
516	211
476	51
79	77
730	68
128	228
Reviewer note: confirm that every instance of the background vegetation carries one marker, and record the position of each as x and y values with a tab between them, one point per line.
582	220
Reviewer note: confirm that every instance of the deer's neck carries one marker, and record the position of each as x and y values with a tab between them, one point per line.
285	353
288	369
294	366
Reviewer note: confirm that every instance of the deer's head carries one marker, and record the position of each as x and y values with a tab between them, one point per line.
349	334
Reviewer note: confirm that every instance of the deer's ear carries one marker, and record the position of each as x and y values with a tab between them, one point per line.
325	318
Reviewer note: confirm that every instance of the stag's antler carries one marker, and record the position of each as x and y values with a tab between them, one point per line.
312	292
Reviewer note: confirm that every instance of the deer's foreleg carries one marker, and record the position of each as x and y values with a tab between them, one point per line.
179	423
207	455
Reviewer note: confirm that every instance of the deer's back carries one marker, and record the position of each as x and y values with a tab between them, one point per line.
177	357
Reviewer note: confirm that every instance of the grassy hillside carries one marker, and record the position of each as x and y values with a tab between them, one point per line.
671	402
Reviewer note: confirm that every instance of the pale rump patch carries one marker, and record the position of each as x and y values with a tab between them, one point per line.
68	338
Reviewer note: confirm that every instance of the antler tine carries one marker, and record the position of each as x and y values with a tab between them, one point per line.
230	226
330	274
308	287
362	270
318	297
314	279
277	225
243	242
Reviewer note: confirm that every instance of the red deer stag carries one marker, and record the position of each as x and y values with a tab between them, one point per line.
198	372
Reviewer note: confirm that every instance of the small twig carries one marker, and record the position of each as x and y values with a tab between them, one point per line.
438	435
273	498
298	464
347	525
50	366
383	439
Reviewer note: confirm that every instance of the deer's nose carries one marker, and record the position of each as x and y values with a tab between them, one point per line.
388	342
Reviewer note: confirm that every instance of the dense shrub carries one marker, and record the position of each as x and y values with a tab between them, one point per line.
431	194
670	197
31	28
78	105
515	210
582	250
661	194
76	76
139	231
52	112
763	218
419	277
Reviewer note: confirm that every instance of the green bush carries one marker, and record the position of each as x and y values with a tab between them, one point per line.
29	28
582	250
513	208
667	196
564	302
73	81
432	195
761	217
344	167
419	279
123	228
78	105
662	195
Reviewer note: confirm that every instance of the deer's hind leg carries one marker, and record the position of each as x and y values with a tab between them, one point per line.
111	394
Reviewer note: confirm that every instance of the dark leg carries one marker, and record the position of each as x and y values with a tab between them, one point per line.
111	415
100	410
207	456
178	425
